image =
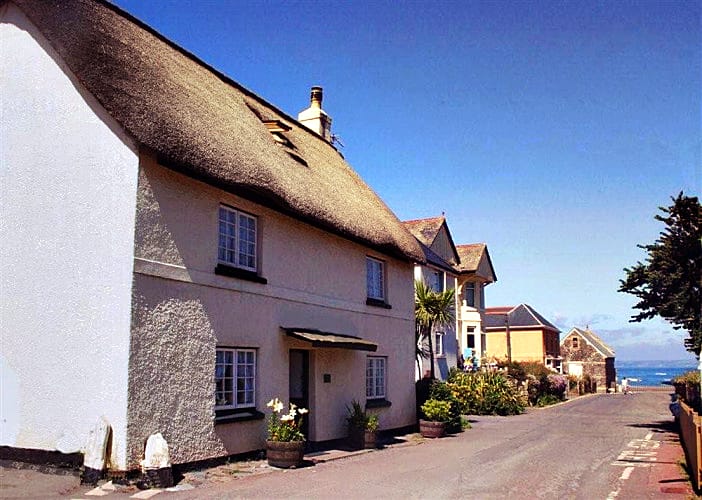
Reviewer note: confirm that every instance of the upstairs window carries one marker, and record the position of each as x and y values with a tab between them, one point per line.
437	281
375	279
235	378
237	239
576	343
439	349
469	294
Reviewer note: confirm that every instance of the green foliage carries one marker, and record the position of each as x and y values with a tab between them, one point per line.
486	393
692	377
442	391
668	282
547	400
431	309
358	418
573	382
437	410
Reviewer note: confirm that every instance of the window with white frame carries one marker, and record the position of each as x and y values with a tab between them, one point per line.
237	238
235	378
375	377
375	278
439	349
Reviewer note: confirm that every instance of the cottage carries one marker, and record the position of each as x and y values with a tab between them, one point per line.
177	251
519	333
584	353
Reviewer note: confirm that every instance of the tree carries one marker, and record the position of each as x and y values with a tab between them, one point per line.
431	309
668	282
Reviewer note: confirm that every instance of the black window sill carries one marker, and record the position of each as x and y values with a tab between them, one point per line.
237	415
378	403
378	303
235	272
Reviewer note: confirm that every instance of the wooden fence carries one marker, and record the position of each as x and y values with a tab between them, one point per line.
691	437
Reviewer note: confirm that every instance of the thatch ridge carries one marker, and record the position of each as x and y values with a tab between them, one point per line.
200	122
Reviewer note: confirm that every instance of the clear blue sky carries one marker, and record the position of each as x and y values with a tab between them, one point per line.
551	131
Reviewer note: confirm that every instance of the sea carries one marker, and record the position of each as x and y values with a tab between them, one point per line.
652	373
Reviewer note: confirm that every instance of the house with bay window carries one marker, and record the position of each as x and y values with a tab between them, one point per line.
438	272
178	251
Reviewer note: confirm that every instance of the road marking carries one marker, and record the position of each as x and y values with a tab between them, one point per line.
644	444
626	473
649	436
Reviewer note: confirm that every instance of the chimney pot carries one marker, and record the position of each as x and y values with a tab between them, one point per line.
316	96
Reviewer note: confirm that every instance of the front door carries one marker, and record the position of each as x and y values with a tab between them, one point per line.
300	382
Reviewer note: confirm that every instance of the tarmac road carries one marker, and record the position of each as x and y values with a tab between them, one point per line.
594	447
576	450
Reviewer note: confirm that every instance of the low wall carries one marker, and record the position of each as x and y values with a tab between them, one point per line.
691	437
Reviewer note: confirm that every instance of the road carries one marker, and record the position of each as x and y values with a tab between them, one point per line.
576	450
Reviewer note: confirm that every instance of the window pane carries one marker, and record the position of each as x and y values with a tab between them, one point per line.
374	279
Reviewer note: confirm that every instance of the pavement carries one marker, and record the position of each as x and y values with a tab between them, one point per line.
645	474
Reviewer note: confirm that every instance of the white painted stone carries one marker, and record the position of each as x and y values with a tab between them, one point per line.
156	454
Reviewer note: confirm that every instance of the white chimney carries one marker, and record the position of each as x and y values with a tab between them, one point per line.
314	117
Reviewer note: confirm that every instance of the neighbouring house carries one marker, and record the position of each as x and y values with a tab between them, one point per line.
177	251
519	333
439	272
475	273
584	353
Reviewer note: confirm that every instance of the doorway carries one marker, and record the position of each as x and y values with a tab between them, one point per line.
299	383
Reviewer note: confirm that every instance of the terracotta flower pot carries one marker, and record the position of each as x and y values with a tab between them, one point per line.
429	429
285	454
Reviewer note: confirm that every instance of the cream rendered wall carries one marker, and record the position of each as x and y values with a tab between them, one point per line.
183	310
67	204
527	345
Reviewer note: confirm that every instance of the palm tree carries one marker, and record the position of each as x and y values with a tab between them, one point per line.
431	309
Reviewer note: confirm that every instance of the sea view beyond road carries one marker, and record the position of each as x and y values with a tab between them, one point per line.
577	450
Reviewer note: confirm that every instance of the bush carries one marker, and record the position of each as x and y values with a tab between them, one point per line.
436	410
486	393
691	377
573	382
557	385
547	400
443	391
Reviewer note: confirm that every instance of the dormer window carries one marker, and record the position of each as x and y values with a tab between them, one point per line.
277	129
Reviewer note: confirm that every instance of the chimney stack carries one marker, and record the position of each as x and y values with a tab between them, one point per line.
314	117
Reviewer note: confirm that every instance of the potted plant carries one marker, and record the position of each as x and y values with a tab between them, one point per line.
363	427
436	414
285	446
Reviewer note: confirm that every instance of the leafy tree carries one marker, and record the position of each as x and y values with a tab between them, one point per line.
668	282
431	309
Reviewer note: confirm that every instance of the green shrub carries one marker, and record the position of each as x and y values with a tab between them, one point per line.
691	377
436	410
486	393
443	391
547	400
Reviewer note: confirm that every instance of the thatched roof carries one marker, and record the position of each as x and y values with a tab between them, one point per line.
425	230
471	256
207	126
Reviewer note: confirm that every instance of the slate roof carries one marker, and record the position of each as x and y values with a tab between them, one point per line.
201	123
593	340
521	316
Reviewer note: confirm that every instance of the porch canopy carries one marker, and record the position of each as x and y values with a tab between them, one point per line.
326	339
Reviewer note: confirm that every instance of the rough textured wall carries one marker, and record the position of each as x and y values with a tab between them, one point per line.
171	379
67	193
594	364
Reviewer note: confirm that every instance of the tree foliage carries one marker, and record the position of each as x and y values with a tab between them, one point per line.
668	282
431	309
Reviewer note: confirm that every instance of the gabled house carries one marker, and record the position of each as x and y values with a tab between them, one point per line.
439	272
584	353
475	272
177	251
519	333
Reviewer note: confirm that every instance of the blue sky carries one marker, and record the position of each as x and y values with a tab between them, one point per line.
551	131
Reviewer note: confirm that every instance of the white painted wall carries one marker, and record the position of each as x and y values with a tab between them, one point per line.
67	205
